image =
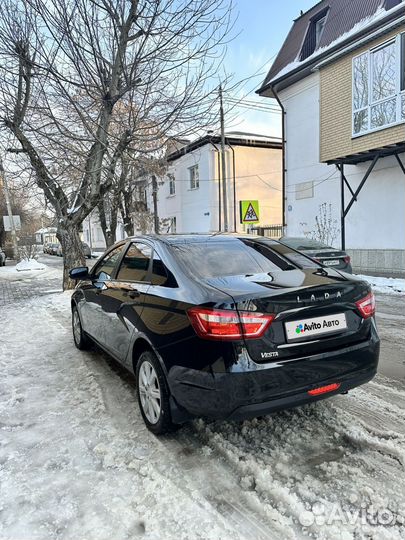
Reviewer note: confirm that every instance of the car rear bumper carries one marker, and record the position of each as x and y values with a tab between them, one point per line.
261	389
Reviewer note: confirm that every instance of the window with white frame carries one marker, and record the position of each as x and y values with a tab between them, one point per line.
319	26
194	176
172	185
379	87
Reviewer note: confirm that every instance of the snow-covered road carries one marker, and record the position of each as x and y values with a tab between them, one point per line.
77	463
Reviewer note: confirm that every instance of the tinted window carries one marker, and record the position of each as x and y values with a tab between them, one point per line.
105	267
226	258
295	257
160	273
303	244
135	264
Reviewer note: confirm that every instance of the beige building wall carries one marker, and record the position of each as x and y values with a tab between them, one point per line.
336	110
258	173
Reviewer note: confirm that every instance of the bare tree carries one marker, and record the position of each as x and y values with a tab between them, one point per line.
82	81
326	227
121	199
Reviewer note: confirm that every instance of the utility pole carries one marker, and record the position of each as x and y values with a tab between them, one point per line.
223	163
3	180
155	206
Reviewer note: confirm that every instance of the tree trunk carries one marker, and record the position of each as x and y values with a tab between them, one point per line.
126	213
68	236
108	233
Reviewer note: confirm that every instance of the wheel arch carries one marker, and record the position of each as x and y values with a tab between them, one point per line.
141	345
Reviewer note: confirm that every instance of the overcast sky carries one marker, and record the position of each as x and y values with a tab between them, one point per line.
263	26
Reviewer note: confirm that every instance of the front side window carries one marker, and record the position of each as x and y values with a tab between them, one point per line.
135	264
194	177
105	267
378	87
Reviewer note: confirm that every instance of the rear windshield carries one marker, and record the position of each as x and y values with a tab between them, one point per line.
232	258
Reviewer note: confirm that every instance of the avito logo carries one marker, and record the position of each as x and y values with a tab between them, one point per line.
301	328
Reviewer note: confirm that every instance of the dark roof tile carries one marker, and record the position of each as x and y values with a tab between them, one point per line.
343	15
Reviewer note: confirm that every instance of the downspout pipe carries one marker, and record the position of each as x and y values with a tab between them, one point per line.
283	134
234	185
219	187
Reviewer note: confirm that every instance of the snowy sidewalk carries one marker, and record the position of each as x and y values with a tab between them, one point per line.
77	463
21	285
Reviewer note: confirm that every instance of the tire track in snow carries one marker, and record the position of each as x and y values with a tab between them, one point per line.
295	474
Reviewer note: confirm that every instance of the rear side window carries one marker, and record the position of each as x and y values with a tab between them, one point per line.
105	267
135	264
161	275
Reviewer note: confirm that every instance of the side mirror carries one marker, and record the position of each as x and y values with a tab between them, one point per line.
81	272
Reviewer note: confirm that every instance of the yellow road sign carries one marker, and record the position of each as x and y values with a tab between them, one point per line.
249	211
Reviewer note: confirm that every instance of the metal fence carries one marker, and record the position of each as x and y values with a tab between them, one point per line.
271	231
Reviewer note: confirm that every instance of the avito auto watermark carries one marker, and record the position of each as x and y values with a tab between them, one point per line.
364	514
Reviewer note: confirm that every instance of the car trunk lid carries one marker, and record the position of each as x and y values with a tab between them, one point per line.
314	310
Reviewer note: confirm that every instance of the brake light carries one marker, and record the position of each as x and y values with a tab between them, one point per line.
324	389
228	324
347	259
366	306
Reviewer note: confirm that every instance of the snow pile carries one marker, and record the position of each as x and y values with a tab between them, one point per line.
27	265
41	272
385	285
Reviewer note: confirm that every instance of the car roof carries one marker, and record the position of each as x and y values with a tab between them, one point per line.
187	238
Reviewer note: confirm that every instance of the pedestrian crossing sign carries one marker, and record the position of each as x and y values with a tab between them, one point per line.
249	211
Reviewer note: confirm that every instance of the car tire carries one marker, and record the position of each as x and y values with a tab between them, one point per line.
82	341
153	394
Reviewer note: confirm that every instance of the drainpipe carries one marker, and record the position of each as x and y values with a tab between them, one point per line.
283	131
219	186
234	186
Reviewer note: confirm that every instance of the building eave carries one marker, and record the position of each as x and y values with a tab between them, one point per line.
231	141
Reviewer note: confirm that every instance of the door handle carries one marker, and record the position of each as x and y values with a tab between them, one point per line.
133	293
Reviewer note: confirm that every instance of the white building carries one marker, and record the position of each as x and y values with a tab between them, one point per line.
340	78
190	196
93	233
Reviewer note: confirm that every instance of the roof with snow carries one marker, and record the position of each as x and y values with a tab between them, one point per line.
327	27
232	138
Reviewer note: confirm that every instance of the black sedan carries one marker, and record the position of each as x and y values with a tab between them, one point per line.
225	326
326	255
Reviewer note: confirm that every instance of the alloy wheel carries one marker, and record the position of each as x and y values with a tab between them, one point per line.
149	392
77	330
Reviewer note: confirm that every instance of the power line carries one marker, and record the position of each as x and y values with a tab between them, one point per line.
258	108
253	102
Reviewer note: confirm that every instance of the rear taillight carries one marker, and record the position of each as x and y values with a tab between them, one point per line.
228	325
347	259
324	389
366	306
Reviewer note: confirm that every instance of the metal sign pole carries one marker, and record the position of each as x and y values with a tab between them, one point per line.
9	211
